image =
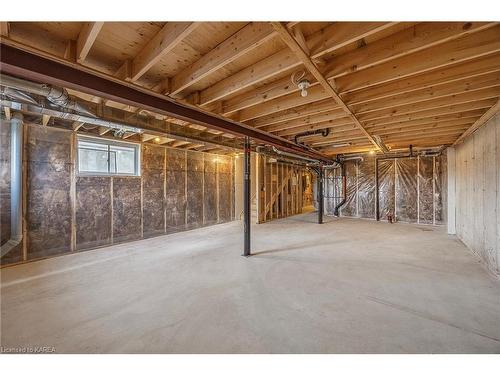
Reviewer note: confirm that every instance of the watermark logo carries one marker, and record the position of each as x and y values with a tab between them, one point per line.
27	349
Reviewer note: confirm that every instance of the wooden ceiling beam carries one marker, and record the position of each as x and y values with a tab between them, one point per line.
4	29
405	42
390	118
86	39
314	94
471	46
313	69
431	103
458	72
334	36
269	95
295	113
435	92
162	43
429	127
480	122
305	121
245	40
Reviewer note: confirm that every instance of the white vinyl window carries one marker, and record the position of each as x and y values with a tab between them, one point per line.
107	157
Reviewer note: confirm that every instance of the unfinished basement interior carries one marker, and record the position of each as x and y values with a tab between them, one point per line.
250	187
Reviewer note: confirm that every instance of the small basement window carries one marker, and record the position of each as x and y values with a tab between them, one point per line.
107	157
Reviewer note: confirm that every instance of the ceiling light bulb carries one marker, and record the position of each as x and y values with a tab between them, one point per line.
303	86
157	139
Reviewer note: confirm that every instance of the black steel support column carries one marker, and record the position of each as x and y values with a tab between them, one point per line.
320	195
246	199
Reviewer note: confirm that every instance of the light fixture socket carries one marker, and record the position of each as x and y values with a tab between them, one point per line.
303	86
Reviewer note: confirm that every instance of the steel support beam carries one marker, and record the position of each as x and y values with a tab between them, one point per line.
34	67
246	199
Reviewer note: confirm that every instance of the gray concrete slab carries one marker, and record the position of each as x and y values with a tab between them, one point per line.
347	286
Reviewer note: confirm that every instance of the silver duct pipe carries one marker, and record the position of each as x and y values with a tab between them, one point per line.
16	168
54	94
16	94
290	155
36	109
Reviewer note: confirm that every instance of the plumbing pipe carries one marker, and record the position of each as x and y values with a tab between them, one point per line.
344	188
323	132
16	168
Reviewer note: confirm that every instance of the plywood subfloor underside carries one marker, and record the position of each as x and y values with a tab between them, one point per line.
348	286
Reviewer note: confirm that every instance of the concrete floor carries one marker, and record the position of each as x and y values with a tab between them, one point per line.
348	286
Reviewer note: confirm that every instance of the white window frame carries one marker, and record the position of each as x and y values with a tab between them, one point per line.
109	142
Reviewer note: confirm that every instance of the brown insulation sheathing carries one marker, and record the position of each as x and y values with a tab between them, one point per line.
112	209
386	173
406	190
126	208
175	203
349	208
48	184
441	188
366	188
153	179
412	188
225	167
210	189
194	190
426	195
93	212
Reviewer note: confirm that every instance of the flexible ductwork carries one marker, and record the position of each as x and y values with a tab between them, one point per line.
37	109
54	94
16	165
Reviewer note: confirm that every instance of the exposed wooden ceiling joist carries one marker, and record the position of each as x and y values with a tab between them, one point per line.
249	37
167	39
333	37
86	39
313	69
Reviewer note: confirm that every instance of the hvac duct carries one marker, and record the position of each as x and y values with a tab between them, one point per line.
54	94
16	165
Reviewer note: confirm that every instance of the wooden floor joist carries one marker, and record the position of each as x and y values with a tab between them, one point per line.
313	69
369	81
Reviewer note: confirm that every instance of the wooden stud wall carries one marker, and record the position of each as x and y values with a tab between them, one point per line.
279	188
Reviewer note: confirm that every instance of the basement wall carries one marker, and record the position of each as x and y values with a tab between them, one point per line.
410	189
177	190
477	187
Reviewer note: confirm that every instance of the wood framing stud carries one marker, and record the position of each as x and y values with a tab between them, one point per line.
306	60
4	29
86	39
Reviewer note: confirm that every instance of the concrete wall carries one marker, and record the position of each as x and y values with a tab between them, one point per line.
477	186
